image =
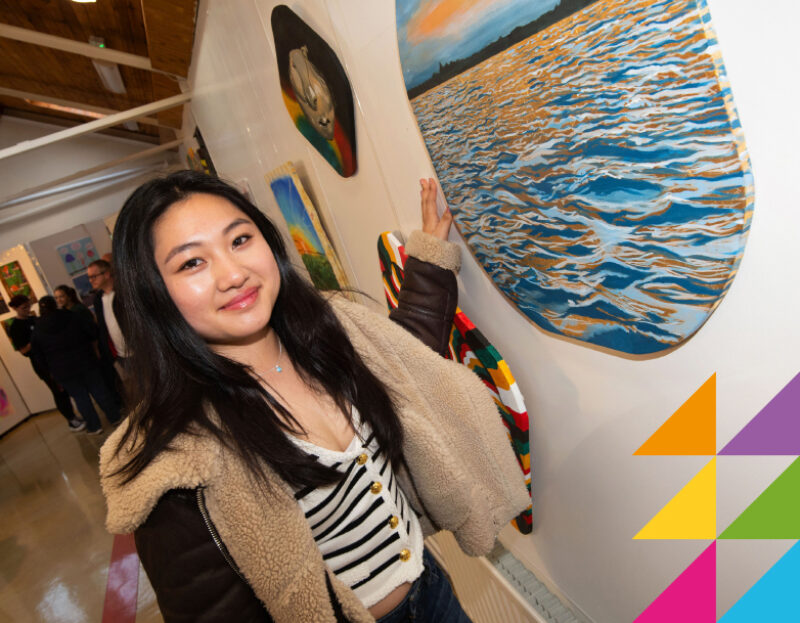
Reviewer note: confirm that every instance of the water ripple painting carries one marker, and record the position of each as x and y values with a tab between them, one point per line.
592	157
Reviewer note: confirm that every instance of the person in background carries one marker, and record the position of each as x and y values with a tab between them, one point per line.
111	342
21	331
64	340
67	298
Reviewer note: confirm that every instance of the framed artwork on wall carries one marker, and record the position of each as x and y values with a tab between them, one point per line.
305	228
592	157
4	308
82	284
5	404
15	282
77	255
315	89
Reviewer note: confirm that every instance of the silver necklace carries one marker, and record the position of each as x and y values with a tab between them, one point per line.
277	365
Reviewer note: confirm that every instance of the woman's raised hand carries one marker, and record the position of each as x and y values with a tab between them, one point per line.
432	223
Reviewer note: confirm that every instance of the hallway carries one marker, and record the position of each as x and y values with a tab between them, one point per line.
54	549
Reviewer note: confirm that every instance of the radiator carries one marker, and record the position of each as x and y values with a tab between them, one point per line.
497	588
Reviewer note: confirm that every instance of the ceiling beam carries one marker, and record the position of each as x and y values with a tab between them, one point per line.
98	124
75	47
35	97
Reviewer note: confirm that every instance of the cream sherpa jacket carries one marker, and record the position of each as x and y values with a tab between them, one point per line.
462	476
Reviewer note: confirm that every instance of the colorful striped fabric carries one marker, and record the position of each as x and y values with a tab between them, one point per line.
469	346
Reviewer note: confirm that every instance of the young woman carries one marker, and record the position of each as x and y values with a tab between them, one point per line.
288	451
67	298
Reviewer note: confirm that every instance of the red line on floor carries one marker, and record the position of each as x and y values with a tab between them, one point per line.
122	588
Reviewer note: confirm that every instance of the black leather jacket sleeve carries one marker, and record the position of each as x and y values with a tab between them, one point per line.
427	303
192	580
191	577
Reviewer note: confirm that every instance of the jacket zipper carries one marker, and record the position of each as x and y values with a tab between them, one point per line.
201	504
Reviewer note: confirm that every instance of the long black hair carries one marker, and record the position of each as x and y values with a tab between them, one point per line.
176	380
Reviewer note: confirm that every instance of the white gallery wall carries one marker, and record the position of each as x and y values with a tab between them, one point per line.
590	410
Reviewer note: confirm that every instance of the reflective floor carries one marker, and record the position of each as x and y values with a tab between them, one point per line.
54	549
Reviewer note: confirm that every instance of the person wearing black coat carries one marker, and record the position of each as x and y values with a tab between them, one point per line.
64	341
20	332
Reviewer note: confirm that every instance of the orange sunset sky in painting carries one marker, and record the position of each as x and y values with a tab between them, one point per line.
434	31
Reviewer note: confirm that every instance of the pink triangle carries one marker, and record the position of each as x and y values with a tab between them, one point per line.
691	598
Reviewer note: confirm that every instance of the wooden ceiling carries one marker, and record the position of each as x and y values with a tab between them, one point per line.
161	30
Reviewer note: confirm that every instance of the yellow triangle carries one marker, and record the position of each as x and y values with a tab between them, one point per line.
691	514
692	429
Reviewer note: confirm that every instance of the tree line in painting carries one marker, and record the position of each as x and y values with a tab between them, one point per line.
520	33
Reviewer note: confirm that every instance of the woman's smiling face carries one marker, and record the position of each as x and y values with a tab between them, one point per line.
218	269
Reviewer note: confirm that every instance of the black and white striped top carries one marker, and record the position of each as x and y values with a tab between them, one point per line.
368	534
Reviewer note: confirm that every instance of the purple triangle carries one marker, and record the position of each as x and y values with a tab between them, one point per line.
776	428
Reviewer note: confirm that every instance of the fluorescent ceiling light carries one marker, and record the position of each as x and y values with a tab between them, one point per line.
109	75
69	109
131	125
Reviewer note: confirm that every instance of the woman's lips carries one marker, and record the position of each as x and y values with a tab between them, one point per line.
245	299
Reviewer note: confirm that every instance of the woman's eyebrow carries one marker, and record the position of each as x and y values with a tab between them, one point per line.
179	248
235	223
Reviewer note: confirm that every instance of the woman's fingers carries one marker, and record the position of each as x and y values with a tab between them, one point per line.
432	223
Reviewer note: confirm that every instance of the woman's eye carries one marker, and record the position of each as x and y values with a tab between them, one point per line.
192	263
240	240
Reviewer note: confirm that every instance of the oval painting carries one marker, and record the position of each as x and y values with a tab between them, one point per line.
591	155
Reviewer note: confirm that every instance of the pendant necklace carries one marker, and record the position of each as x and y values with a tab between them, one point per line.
277	365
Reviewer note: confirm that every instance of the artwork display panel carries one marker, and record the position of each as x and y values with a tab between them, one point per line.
77	255
15	282
591	155
305	228
315	89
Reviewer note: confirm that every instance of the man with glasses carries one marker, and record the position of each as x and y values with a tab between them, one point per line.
111	342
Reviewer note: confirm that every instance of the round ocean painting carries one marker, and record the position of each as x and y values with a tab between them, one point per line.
591	155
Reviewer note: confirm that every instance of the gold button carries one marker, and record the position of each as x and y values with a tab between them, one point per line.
393	522
405	555
362	458
376	487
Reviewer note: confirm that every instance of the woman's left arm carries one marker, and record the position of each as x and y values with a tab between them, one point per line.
429	295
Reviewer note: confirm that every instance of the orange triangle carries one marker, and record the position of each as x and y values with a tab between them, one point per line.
692	429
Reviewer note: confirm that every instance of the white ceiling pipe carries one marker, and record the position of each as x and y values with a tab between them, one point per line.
47	189
77	196
98	124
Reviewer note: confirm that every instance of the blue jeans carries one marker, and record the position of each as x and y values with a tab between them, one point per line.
429	600
91	382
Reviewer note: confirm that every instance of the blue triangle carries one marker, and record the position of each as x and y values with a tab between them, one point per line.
774	597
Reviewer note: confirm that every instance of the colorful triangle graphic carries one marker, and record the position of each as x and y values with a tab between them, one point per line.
775	429
691	514
692	597
774	597
775	514
691	430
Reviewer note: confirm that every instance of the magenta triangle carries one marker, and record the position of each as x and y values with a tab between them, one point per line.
691	598
775	429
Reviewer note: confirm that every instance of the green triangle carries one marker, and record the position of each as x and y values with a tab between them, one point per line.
775	514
